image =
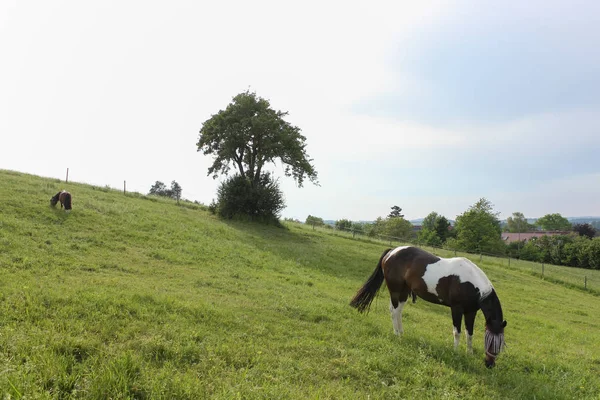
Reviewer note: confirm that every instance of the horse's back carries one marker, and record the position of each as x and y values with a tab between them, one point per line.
407	264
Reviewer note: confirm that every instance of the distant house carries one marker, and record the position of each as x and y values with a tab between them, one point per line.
509	237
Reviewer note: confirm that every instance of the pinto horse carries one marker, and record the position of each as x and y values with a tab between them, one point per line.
454	282
65	200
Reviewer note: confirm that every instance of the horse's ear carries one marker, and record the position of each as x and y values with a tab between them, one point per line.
504	324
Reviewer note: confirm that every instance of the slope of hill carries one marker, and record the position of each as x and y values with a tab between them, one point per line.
132	297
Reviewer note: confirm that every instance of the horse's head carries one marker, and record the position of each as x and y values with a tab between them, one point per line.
494	340
54	199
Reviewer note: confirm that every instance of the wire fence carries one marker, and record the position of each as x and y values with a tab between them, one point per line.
587	279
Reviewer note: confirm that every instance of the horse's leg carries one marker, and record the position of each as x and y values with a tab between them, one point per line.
469	323
397	302
457	314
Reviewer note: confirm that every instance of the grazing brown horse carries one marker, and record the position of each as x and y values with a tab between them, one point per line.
454	282
65	200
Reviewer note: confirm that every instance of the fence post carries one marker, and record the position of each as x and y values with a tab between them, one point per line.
509	261
480	257
353	233
67	178
454	253
124	187
542	270
585	282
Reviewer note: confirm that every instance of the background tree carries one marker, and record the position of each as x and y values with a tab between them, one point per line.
429	221
250	134
434	229
159	189
175	191
314	221
343	224
585	230
518	223
478	229
396	212
391	226
442	228
554	222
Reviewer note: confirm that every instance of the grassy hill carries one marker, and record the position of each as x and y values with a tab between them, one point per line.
136	297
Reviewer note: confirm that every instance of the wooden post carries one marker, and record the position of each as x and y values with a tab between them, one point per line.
480	257
454	253
67	178
124	187
542	270
585	282
509	261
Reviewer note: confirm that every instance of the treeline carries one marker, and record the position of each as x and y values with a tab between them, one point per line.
571	250
478	230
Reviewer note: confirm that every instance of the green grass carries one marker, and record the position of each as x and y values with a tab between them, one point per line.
136	297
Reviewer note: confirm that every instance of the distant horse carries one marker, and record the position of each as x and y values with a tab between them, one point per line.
453	282
65	200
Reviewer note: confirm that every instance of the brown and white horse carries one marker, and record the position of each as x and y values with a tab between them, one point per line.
65	200
454	282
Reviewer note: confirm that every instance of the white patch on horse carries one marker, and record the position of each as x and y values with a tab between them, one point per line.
394	251
456	337
397	317
460	267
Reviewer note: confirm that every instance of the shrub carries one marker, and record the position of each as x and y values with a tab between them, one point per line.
238	198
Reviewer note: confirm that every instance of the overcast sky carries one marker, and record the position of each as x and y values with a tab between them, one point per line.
425	105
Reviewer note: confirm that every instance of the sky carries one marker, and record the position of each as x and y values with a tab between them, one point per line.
426	105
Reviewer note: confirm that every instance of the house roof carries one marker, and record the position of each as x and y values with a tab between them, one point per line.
510	237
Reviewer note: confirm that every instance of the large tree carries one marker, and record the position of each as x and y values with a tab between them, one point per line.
554	222
478	229
250	134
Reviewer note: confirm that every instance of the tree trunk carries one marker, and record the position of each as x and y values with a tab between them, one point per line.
257	175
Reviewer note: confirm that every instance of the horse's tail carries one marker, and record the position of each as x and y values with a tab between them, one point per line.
67	201
364	297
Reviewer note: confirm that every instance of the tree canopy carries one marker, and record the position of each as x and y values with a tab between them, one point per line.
250	134
314	221
554	222
435	229
478	229
396	212
585	230
518	223
343	224
160	189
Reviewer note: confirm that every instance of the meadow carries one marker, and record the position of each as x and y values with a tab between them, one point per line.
131	296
